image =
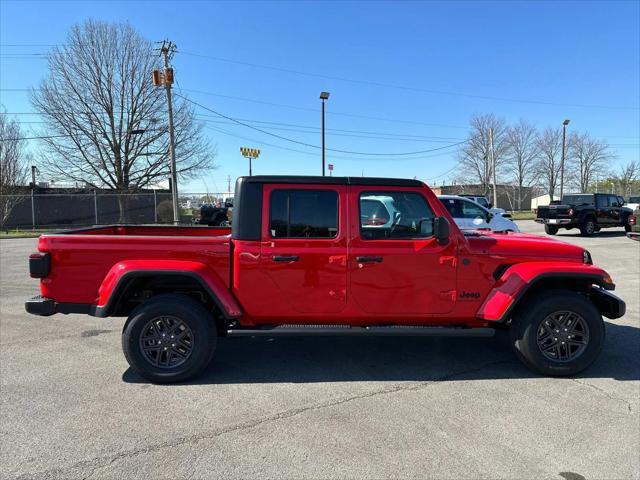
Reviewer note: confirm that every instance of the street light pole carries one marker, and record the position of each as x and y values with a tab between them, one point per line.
564	142
323	96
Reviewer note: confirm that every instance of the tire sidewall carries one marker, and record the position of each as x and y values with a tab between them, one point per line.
188	310
585	231
524	336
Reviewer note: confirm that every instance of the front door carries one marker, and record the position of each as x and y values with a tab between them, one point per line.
304	247
397	270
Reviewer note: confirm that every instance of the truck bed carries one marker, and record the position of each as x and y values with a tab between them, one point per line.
81	259
150	230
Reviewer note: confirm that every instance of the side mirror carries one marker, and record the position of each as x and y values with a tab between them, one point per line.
426	227
441	230
490	205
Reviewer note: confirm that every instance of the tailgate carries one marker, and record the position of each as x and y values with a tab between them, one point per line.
554	211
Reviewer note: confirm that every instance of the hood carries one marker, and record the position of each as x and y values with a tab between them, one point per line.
522	245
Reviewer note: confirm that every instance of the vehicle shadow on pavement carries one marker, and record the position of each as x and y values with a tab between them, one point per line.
349	359
602	234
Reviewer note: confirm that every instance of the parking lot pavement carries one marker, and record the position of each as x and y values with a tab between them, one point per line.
315	407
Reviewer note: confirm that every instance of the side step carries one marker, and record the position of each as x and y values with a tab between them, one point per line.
345	330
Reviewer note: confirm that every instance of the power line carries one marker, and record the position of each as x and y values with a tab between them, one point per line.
316	146
402	87
308	109
43	55
330	156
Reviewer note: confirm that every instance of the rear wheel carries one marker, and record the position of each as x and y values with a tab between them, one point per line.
550	229
627	227
561	334
169	338
588	227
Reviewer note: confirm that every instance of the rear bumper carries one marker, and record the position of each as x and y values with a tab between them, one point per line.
634	236
555	221
44	307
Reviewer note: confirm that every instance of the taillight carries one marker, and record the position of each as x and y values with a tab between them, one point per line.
633	220
39	265
571	212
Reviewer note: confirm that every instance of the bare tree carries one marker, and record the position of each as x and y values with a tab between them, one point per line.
13	165
522	156
627	177
474	158
547	169
106	120
588	158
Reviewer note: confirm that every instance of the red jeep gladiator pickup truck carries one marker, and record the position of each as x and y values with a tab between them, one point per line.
304	257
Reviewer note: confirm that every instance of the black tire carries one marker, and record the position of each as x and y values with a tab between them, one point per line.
588	227
550	229
169	309
627	227
527	329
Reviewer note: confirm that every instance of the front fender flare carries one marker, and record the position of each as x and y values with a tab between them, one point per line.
122	272
519	278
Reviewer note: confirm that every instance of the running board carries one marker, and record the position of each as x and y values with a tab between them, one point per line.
337	330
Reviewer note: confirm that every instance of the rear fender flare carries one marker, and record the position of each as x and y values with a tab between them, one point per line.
119	276
518	279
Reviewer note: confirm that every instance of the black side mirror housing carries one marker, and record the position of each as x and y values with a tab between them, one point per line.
441	230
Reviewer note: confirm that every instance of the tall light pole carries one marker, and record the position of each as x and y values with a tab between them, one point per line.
564	143
323	96
251	154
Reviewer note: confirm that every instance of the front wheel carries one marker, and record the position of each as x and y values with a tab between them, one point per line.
561	334
169	338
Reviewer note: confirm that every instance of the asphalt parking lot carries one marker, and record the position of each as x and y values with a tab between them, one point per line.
315	407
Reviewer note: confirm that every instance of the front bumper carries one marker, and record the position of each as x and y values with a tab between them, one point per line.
45	307
607	303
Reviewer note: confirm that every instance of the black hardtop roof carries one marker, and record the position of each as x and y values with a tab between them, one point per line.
317	180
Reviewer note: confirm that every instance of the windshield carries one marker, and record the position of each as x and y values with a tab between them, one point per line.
578	200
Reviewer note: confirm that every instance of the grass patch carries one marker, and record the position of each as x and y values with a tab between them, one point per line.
22	233
523	215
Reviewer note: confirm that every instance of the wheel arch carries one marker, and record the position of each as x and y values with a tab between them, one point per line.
517	284
128	285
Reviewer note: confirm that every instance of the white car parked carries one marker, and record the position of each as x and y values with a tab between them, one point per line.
468	215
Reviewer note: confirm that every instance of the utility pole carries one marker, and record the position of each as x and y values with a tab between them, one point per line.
167	50
493	168
228	183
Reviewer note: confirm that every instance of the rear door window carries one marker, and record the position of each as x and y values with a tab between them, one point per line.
303	214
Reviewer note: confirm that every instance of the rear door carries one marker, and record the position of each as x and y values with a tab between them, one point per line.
603	216
304	245
396	271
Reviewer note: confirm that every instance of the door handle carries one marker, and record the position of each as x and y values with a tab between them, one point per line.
285	258
369	259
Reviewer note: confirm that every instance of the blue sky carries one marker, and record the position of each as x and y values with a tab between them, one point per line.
429	67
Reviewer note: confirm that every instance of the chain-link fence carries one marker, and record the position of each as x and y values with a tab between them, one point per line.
60	210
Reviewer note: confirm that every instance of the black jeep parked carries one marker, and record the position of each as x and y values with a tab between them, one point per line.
587	211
